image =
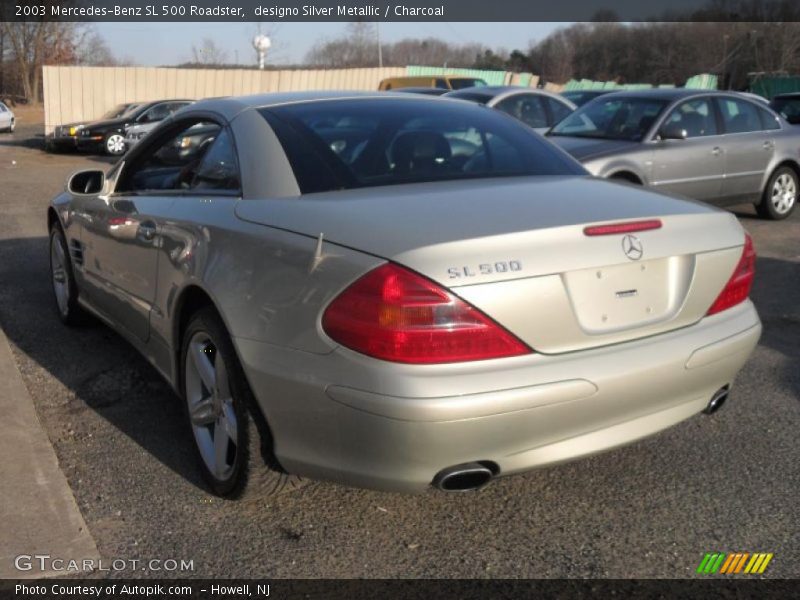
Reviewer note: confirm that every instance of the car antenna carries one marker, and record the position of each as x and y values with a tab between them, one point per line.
317	253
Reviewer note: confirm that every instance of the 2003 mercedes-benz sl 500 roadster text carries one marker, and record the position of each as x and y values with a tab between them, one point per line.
396	291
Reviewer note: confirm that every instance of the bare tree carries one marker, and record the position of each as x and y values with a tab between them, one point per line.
208	53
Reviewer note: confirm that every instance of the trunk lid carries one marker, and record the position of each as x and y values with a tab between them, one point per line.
516	249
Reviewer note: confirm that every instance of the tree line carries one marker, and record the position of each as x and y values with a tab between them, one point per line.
26	47
656	52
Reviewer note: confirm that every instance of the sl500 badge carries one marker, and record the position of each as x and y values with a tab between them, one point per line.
502	266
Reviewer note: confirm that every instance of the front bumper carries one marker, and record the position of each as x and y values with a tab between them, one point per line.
88	143
358	421
61	142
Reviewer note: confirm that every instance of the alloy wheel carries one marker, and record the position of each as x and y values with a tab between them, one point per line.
784	193
58	268
115	144
210	405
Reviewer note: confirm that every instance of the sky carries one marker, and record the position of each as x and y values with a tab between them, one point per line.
154	44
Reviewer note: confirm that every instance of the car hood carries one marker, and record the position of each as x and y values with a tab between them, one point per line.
108	124
587	148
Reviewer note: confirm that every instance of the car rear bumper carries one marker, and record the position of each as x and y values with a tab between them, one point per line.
358	421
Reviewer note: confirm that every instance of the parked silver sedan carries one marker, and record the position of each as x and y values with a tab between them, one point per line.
722	148
394	291
536	108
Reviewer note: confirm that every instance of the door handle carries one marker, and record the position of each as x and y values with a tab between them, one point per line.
767	145
716	151
146	231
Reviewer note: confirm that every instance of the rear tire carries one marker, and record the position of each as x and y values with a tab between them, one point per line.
232	439
780	195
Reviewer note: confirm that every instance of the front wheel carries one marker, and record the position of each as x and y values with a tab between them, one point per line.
65	290
780	195
115	144
231	436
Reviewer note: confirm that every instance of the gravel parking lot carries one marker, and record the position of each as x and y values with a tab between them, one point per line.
729	482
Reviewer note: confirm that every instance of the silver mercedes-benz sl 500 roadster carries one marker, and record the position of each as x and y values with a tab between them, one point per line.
396	292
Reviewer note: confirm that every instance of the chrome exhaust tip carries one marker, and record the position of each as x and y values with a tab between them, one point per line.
463	478
717	400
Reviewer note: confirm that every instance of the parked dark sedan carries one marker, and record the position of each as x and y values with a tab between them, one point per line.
64	136
108	136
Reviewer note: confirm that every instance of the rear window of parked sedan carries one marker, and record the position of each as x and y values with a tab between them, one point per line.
363	143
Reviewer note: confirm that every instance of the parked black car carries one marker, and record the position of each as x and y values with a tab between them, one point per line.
108	136
64	136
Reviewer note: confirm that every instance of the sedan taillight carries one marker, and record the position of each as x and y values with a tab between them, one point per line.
738	287
394	314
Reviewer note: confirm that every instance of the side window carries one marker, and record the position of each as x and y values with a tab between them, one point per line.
528	108
558	110
170	162
158	113
176	106
3	108
739	116
219	169
768	120
695	116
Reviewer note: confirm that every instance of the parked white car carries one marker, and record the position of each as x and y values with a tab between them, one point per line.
7	119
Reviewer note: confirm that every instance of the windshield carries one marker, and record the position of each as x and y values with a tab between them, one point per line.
363	143
466	82
612	119
119	110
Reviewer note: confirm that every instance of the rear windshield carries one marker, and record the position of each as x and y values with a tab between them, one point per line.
466	82
343	144
477	97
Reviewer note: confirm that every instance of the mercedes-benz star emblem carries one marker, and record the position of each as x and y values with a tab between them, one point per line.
632	247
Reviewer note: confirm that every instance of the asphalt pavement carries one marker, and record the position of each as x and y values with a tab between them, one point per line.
729	482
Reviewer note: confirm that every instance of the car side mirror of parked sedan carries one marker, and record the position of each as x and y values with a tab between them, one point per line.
673	131
87	183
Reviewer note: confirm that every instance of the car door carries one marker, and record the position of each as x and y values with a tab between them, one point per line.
122	231
527	108
749	148
694	166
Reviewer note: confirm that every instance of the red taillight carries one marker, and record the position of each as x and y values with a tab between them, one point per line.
629	227
394	314
738	287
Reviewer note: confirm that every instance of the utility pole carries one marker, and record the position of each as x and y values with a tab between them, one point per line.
380	50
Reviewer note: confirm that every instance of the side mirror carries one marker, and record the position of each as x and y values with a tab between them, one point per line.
87	183
673	131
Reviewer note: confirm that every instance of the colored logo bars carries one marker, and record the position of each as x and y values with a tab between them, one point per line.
734	563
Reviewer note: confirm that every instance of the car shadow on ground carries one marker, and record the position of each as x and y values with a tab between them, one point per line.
104	374
100	370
